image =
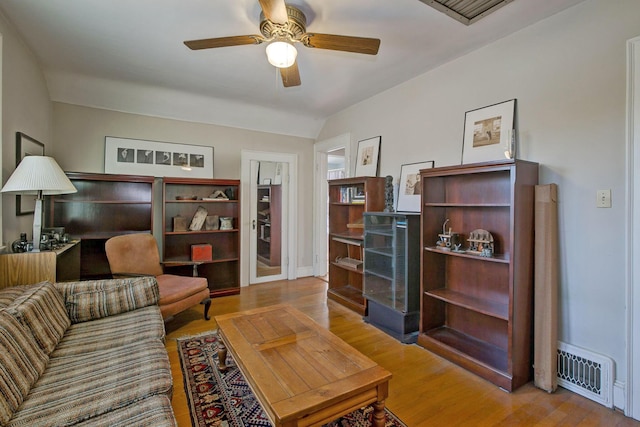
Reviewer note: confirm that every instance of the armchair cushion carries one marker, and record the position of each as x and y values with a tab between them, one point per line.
95	299
178	293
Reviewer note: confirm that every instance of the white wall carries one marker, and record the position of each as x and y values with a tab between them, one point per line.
79	134
568	75
25	108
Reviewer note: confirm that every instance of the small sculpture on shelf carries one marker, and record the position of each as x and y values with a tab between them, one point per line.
388	193
217	195
448	239
481	243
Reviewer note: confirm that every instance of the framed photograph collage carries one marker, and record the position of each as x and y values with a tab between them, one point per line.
153	158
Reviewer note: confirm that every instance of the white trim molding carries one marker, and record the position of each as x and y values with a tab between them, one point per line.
632	407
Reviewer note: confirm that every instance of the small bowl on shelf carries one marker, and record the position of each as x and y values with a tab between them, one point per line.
186	197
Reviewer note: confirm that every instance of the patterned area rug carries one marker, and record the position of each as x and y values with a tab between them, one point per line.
224	399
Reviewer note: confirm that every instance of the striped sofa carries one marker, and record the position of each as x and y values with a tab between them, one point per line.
87	353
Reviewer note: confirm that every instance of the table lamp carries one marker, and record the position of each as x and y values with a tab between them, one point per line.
39	175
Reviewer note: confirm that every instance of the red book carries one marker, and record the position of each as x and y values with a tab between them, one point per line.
201	252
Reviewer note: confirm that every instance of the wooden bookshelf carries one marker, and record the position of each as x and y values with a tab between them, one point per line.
478	311
349	198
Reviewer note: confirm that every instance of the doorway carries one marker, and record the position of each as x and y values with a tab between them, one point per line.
332	160
266	220
268	186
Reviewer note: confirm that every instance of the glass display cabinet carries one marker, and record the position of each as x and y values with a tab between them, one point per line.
392	273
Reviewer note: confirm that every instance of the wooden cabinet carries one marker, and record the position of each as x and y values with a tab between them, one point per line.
26	268
349	199
105	205
182	197
392	273
477	310
269	224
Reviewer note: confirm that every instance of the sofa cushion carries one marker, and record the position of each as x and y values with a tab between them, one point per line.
78	388
113	331
22	362
8	295
41	310
153	411
96	299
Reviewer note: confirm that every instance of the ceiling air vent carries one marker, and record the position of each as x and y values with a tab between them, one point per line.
466	11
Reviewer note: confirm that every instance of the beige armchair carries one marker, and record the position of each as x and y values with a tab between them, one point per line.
137	254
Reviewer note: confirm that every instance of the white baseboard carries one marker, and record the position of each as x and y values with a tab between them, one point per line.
619	393
304	271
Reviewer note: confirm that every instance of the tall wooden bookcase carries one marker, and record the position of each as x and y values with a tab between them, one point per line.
104	206
181	198
478	311
349	198
269	205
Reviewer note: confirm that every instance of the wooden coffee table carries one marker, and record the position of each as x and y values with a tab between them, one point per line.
301	373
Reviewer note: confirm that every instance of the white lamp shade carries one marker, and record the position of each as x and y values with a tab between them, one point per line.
281	54
38	173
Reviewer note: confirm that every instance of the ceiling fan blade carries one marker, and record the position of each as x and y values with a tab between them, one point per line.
343	43
290	76
223	42
275	11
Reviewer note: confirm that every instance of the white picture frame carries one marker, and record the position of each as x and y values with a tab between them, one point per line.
158	159
489	133
409	186
368	157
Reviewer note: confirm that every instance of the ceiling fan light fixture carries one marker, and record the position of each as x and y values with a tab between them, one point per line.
281	54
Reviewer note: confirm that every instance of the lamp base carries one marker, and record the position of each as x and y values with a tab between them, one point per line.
37	223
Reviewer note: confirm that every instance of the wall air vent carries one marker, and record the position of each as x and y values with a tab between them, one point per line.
586	373
468	11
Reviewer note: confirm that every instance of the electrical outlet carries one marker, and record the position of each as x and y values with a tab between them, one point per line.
603	199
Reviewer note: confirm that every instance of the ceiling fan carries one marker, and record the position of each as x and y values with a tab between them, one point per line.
282	26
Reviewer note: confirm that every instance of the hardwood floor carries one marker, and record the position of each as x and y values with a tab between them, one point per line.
426	390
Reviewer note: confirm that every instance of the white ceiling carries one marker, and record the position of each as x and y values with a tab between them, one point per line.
128	55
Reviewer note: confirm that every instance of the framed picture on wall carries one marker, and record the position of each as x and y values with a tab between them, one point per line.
489	132
154	158
409	187
26	146
367	160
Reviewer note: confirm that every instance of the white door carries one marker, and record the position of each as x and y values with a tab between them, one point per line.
322	152
250	269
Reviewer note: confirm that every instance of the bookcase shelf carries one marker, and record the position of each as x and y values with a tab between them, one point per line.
105	205
349	199
478	311
223	271
269	224
392	273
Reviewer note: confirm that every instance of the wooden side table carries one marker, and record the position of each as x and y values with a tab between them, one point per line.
60	265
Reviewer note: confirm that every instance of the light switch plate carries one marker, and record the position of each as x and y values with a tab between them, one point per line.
603	199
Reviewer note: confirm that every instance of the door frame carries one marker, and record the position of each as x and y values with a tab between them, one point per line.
320	155
289	214
632	404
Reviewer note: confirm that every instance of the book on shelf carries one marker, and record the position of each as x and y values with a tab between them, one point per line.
352	195
350	263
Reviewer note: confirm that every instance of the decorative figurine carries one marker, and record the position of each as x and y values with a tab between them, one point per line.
448	239
481	243
388	193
